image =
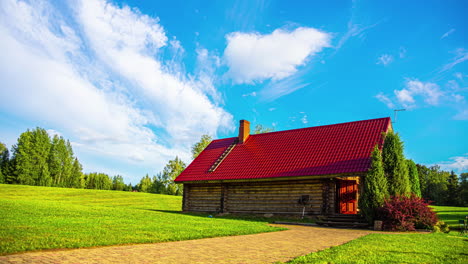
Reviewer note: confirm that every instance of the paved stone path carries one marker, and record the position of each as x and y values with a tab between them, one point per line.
258	248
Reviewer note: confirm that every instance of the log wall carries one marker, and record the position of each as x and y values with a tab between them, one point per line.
277	197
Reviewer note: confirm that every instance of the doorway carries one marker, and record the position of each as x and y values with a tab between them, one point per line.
347	196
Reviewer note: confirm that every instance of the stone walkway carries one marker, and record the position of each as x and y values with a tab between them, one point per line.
258	248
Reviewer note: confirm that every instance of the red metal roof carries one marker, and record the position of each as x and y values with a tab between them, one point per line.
331	149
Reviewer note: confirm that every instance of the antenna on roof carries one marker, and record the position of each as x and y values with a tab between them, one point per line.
395	114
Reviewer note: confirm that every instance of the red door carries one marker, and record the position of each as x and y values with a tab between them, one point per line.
347	194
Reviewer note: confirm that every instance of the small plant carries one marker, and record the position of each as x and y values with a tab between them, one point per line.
441	226
402	213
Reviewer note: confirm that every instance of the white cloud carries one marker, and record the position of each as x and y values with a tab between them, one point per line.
252	57
385	59
446	34
250	94
384	99
459	163
429	91
461	55
104	104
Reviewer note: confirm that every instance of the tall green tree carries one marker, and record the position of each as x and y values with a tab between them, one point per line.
30	157
170	172
395	167
259	129
76	175
413	177
375	187
61	162
145	184
453	190
159	183
434	183
463	189
4	158
118	183
198	147
99	181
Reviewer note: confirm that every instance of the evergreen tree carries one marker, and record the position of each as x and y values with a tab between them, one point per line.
201	145
453	190
375	187
413	178
423	173
9	172
395	167
4	158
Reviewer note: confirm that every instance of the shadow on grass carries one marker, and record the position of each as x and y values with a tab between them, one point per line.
242	217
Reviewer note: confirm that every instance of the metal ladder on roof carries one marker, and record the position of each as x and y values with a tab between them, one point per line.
223	156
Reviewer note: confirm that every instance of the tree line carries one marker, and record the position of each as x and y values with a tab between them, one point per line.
391	174
41	160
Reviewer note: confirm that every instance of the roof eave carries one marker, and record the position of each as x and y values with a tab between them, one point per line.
288	178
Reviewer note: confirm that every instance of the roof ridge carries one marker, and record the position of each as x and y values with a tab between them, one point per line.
294	129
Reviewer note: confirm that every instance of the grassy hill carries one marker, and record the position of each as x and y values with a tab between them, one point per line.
33	218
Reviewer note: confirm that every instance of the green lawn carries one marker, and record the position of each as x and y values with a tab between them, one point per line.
34	218
395	248
401	248
451	214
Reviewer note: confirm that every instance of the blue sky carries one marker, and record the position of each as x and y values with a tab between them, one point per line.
132	84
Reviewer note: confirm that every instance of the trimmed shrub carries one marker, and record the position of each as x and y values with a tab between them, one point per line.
374	187
402	213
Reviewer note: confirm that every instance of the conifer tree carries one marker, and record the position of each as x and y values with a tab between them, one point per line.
4	158
413	177
375	187
394	164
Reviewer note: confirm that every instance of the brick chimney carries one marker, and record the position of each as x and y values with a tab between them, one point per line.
244	131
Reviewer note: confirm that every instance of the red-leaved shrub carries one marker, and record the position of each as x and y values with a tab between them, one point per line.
402	213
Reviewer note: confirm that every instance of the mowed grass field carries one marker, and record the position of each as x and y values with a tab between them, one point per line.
401	248
33	218
451	214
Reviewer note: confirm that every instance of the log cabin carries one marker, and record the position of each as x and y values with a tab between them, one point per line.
309	171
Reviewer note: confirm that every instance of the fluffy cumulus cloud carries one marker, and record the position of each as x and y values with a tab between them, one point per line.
253	57
97	77
429	91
